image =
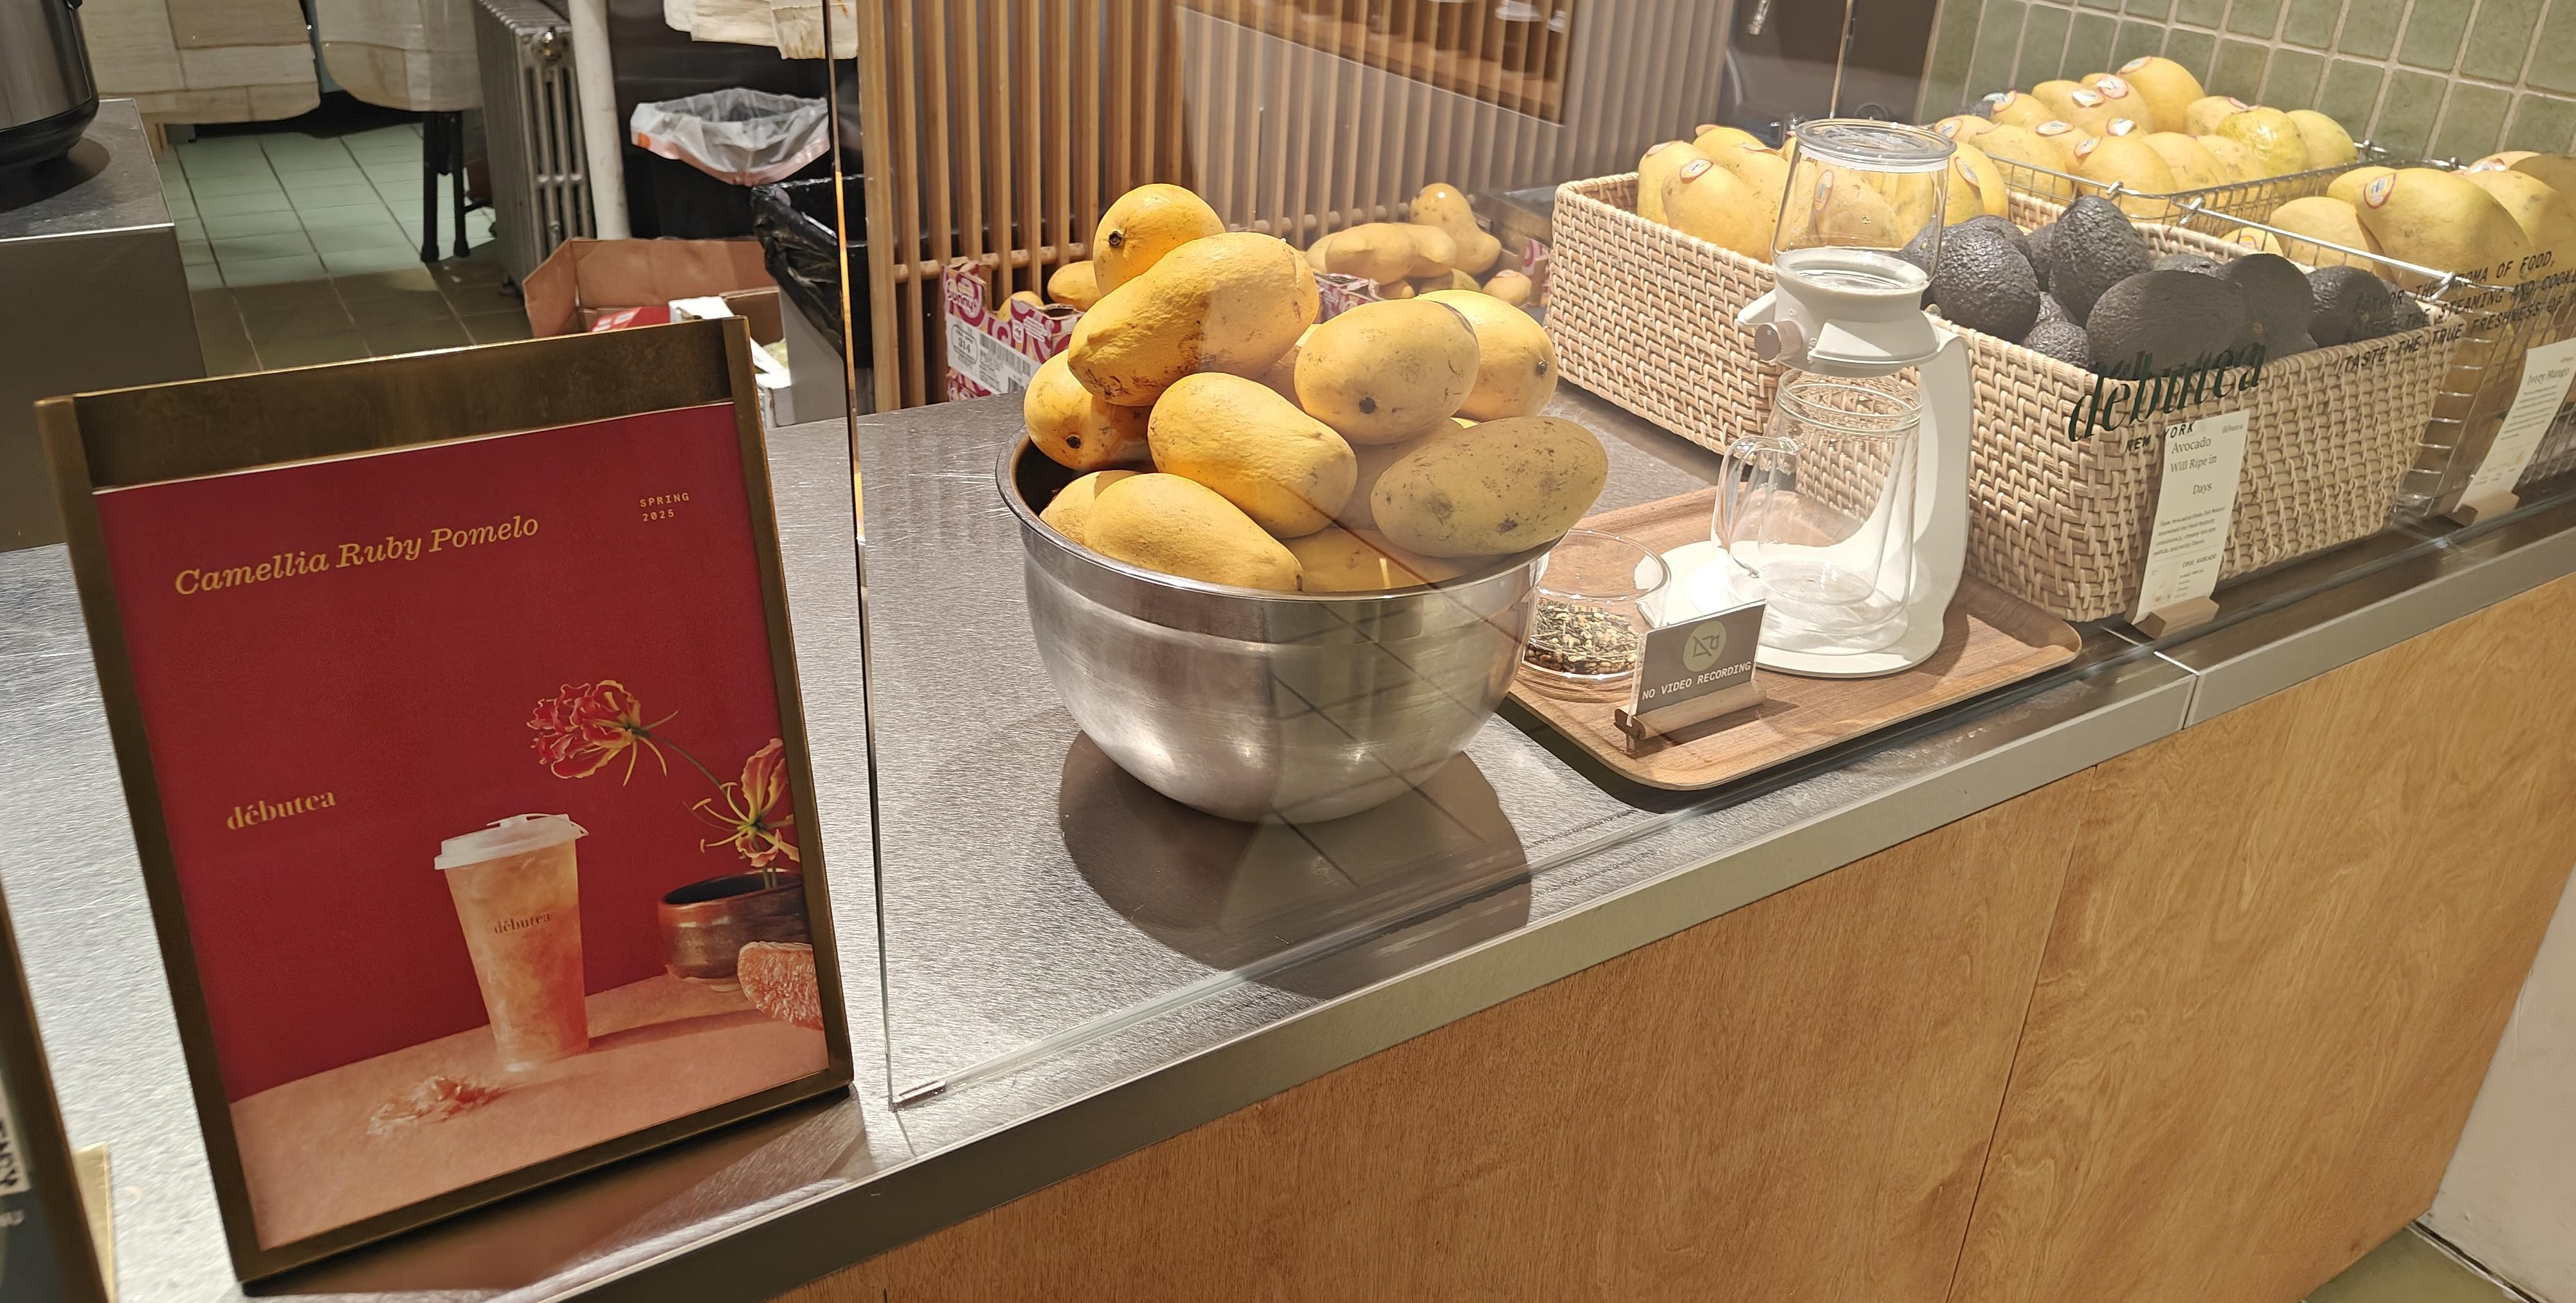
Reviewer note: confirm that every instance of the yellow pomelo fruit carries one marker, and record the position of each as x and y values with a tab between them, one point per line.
2240	162
1709	202
1655	171
2168	88
2014	109
2128	162
2442	221
2194	167
2328	219
2202	116
2271	137
2328	144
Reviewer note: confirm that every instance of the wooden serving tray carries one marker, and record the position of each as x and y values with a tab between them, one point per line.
1992	639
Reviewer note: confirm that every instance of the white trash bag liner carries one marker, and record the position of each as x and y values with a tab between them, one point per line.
748	137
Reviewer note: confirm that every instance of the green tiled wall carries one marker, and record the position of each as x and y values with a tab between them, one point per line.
2446	78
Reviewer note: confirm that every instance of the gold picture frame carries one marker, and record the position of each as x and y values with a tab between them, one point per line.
157	433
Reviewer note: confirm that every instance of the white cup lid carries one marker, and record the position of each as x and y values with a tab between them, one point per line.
516	835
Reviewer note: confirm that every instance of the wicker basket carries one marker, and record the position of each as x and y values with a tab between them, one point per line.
1644	316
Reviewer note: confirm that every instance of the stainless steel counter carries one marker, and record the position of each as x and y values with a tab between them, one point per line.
1077	970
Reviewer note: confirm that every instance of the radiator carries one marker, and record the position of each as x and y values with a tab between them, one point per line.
540	188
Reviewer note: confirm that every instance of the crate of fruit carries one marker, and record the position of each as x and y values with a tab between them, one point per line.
2066	459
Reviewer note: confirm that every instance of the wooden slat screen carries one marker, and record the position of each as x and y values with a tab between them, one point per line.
996	130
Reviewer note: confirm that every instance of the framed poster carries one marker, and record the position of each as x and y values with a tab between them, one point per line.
48	1253
455	704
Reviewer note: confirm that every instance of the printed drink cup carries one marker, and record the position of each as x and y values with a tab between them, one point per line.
518	897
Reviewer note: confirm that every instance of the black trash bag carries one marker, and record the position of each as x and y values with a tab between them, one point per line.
793	222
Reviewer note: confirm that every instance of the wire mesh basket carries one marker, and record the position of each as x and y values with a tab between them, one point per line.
2493	325
2194	208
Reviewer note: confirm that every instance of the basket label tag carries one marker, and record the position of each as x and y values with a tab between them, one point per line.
2195	508
2546	371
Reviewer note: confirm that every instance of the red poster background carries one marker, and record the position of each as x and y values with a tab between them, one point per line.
404	688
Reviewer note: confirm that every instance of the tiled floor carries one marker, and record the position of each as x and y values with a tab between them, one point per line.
305	247
2411	1268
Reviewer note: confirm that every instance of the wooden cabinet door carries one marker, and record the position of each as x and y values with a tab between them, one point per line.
2288	942
1788	1102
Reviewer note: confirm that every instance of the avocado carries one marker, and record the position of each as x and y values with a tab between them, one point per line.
2056	335
2173	319
2037	243
1984	283
2190	262
2000	226
2404	314
2351	304
2276	294
2094	249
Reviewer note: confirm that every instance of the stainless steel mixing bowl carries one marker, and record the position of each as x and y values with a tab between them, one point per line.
1259	705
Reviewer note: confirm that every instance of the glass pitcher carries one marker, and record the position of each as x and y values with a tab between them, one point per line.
1818	510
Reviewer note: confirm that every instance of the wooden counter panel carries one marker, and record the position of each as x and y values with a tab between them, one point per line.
1792	1101
2289	940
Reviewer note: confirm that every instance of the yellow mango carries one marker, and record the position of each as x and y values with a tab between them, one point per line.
1177	526
1374	458
1387	372
1515	360
1439	204
1964	126
1070	513
1075	284
1385	252
1230	303
1145	224
1511	287
1434	250
1076	428
1503	486
2019	145
1285	469
1362	561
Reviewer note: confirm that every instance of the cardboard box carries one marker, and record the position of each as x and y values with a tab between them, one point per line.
996	350
582	280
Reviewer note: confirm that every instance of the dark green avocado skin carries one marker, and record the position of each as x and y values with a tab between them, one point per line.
2277	296
2351	304
1984	283
2094	249
2174	318
2056	335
